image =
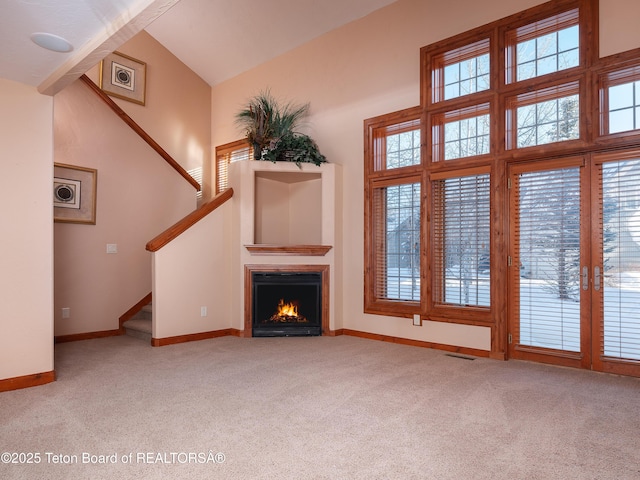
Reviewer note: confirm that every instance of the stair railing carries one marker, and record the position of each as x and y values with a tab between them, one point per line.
138	129
182	225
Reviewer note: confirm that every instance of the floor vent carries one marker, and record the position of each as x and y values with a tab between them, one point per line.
455	355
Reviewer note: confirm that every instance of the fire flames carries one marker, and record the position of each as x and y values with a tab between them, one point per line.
287	313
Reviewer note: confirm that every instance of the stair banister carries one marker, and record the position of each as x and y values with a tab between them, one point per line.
138	129
181	226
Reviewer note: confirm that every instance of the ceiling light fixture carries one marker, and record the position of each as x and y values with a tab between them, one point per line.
51	42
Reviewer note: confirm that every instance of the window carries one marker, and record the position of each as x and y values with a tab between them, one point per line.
548	53
461	71
226	154
461	240
546	116
546	46
403	149
510	90
522	214
393	212
466	77
461	133
396	214
624	106
620	101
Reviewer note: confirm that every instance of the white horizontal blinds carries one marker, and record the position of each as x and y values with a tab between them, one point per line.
462	228
225	155
547	231
620	211
222	172
396	211
196	174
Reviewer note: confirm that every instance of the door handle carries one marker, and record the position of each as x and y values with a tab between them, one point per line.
596	278
585	278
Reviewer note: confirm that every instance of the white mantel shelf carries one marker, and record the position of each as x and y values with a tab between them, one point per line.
301	250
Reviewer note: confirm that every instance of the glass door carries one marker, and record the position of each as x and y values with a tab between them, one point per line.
574	262
548	281
616	263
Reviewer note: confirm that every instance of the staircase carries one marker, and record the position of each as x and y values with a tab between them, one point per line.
139	326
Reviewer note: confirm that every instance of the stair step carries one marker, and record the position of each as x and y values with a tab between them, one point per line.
140	325
138	328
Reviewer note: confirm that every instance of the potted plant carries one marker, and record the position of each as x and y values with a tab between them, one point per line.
271	129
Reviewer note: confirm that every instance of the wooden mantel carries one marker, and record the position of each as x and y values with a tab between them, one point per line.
299	250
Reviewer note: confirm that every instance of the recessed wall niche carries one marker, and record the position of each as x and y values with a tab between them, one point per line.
288	208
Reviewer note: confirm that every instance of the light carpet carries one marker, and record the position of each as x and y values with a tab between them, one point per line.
315	408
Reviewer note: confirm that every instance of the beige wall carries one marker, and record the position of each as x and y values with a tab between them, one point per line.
192	272
177	111
26	282
371	67
138	196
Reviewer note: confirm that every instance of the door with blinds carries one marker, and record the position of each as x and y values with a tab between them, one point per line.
548	304
574	253
616	262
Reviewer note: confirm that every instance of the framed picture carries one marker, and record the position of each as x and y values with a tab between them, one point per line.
123	77
74	194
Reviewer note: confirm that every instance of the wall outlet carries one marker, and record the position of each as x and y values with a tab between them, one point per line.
417	321
203	311
112	248
66	312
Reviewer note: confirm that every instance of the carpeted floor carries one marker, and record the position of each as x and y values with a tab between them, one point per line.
315	408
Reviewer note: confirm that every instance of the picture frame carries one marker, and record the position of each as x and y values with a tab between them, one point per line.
74	194
123	77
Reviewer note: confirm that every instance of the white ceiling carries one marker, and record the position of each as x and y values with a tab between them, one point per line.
217	39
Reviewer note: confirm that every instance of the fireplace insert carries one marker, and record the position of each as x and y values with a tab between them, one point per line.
286	304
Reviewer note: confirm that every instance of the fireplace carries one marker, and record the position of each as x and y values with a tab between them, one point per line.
286	303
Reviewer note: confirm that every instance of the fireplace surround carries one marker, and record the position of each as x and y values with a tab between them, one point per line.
289	219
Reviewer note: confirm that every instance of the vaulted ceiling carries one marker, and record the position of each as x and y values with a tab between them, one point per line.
217	39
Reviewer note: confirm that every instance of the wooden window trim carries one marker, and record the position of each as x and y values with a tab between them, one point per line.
443	58
373	245
434	57
376	176
474	315
591	70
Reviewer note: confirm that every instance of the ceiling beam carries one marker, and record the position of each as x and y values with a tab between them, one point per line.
128	24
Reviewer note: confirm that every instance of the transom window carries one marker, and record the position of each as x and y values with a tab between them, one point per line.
543	47
619	92
466	138
462	71
466	77
403	149
624	107
548	53
549	121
